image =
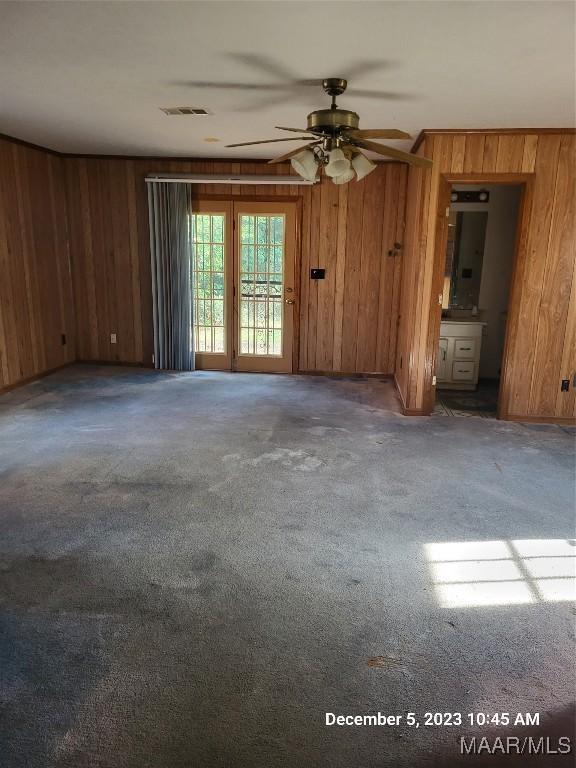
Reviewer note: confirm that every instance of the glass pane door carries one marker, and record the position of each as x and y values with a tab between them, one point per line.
264	292
261	284
210	293
243	298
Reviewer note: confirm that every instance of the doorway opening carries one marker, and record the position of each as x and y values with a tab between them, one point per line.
480	252
242	273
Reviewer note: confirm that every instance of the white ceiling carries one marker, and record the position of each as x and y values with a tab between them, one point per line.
89	77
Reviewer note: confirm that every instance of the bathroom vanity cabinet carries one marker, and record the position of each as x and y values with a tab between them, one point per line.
458	357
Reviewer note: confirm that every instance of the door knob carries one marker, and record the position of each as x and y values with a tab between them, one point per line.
290	301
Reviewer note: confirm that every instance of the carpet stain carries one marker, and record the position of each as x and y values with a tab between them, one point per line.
76	584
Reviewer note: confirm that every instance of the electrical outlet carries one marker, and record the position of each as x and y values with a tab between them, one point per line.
113	338
565	386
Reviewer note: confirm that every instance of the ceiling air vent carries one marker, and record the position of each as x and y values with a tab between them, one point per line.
184	111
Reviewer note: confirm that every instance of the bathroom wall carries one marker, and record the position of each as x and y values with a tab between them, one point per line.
497	275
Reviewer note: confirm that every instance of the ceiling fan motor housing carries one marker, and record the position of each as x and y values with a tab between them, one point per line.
332	121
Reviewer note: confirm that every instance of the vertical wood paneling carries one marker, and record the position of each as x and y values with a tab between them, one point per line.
134	259
529	153
387	299
372	263
340	276
566	401
312	314
341	231
304	281
510	154
474	155
541	334
414	244
556	288
528	311
399	237
327	251
490	154
35	285
353	267
458	154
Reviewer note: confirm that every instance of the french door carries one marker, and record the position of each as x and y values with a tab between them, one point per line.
243	285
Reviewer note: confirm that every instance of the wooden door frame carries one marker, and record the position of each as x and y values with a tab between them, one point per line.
526	183
298	201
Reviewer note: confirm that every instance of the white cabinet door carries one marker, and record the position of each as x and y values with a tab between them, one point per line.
442	361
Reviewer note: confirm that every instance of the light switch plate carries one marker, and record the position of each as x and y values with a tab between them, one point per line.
113	338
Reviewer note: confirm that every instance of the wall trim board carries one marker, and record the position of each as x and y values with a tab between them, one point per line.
31	379
415	412
347	374
30	145
127	364
489	131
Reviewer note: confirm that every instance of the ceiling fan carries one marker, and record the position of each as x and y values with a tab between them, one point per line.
335	141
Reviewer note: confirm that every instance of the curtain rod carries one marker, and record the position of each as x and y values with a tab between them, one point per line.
199	178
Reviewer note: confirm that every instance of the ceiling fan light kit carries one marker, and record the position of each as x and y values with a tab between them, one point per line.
345	177
304	163
335	141
337	163
362	165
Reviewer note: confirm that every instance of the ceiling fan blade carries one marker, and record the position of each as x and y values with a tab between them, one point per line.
295	130
382	149
264	64
228	86
281	94
368	94
363	68
269	141
288	155
379	133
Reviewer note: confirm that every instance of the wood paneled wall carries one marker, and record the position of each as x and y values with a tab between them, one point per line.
36	302
541	333
348	322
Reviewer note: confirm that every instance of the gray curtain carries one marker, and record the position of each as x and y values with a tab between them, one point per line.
169	206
